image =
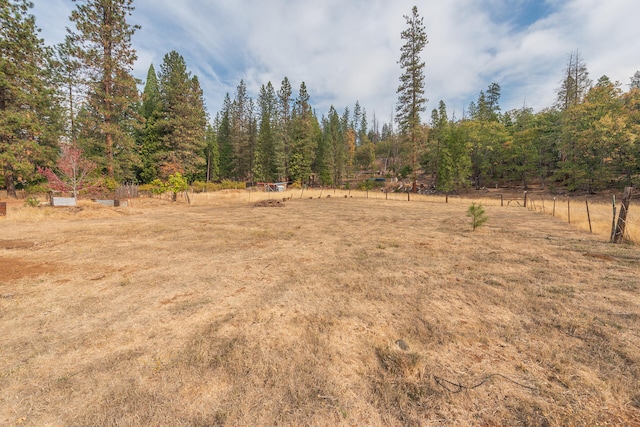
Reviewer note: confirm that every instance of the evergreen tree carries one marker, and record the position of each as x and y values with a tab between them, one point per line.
323	157
183	119
549	125
29	116
589	133
240	132
455	159
350	140
149	139
362	127
355	123
252	137
575	84
521	151
102	44
411	98
227	160
335	137
212	154
304	137
151	102
635	81
487	135
436	151
266	167
283	140
68	77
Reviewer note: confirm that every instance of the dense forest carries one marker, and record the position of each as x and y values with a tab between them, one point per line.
82	95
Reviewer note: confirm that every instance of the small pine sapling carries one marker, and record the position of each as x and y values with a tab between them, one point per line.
477	214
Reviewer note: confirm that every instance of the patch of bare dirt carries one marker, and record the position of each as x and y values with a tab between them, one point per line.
15	244
16	268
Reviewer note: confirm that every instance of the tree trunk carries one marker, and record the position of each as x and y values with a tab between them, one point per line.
9	181
109	152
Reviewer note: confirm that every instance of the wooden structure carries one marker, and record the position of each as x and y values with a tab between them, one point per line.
618	235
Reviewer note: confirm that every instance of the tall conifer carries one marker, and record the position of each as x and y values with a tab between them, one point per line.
411	98
102	44
28	114
183	119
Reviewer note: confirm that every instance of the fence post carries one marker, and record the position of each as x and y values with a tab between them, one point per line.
588	214
613	221
622	217
525	199
554	206
568	210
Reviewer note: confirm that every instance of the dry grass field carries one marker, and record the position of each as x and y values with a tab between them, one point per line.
326	311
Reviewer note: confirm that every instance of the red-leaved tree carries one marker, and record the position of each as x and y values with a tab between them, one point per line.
74	171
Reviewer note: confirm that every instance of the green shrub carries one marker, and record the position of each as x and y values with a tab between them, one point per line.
32	201
370	184
158	187
178	183
405	171
201	187
110	184
227	184
477	214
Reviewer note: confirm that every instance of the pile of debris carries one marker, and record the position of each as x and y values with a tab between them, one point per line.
270	203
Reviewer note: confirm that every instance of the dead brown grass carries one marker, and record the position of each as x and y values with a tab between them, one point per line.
221	313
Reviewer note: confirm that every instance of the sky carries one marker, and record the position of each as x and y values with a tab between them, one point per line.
348	50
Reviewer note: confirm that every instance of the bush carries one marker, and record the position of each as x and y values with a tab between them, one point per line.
227	184
405	171
158	187
109	184
177	183
202	187
32	201
370	184
477	214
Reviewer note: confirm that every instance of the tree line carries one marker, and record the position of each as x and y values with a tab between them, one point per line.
82	94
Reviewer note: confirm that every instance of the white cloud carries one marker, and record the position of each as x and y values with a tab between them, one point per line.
348	50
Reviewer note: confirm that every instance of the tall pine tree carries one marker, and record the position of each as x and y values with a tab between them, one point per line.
149	137
227	159
411	97
240	132
283	140
304	137
29	124
102	44
183	119
265	156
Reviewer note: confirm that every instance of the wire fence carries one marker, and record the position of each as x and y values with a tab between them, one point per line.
595	216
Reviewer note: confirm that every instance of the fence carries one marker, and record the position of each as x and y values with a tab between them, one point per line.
598	217
581	212
127	191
